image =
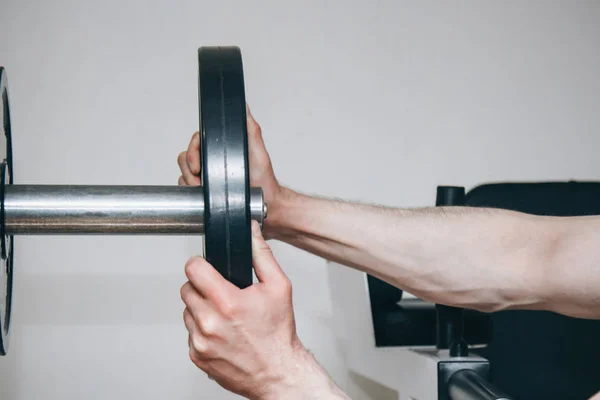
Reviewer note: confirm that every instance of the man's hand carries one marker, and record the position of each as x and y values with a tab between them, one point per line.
261	169
246	339
243	339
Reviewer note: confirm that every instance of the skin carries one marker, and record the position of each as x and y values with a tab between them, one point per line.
246	339
483	259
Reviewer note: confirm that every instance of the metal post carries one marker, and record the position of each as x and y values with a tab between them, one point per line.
450	324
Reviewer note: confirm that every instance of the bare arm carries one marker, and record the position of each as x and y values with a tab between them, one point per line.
485	259
246	339
477	258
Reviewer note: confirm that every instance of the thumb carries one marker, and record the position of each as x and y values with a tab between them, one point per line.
254	129
265	266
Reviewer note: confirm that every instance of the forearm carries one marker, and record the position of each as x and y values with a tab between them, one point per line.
476	258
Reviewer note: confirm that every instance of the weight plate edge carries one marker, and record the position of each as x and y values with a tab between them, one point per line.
7	242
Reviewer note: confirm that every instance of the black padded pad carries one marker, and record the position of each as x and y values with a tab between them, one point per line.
541	198
538	354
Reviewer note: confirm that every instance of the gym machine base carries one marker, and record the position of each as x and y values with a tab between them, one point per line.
221	209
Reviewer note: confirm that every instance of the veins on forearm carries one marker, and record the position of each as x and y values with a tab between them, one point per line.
474	257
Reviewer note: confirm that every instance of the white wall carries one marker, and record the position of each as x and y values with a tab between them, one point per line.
376	101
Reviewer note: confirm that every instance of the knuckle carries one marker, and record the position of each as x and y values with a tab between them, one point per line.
256	128
229	309
209	326
189	158
199	346
285	287
264	248
258	241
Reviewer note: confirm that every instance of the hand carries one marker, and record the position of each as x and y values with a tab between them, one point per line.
261	169
244	339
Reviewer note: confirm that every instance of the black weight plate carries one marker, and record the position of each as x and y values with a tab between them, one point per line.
224	154
7	247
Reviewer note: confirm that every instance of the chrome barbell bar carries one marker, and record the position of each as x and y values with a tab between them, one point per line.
108	210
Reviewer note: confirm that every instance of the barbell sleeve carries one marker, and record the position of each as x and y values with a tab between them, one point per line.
109	210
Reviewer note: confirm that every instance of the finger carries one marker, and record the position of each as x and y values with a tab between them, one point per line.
193	154
190	296
254	129
199	316
258	154
190	324
198	348
199	361
193	301
208	282
181	181
265	265
195	336
197	358
188	176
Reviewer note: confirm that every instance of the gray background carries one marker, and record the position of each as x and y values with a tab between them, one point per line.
376	101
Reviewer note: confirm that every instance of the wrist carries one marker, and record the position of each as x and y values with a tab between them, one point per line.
278	213
302	378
